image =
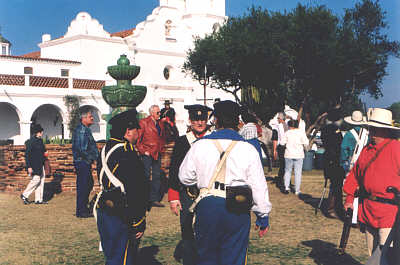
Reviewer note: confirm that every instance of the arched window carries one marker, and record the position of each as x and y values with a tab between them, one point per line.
167	72
28	70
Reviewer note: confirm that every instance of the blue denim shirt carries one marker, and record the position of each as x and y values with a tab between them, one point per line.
83	145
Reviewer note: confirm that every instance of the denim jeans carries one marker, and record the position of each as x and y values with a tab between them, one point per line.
84	185
298	166
153	167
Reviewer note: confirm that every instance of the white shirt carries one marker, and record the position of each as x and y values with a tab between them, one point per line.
243	167
294	139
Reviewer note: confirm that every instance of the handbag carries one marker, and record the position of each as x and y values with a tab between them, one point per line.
47	168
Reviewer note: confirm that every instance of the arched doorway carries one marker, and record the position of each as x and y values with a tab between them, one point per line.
51	119
9	122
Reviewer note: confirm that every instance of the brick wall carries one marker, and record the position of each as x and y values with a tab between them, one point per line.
14	178
13	175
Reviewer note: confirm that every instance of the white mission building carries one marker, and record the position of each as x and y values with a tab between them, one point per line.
32	86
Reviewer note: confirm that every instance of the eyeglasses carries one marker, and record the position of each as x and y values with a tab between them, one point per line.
159	112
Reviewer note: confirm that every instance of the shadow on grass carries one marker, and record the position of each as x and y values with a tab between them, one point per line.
147	256
314	202
325	253
54	187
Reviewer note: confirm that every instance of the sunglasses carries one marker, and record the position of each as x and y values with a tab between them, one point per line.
159	112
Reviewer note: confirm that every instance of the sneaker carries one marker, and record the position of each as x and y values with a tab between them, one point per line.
42	202
24	199
297	193
285	192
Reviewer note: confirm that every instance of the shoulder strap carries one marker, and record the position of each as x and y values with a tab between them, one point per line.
191	138
375	157
355	135
221	164
116	182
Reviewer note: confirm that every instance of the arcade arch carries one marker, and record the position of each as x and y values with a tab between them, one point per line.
50	117
95	128
9	121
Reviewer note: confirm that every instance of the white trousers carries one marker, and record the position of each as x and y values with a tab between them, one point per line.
376	237
36	184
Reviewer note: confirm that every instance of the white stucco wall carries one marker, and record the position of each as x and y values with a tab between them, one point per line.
151	46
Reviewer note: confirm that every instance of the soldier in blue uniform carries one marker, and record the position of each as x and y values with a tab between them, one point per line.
228	172
180	197
121	206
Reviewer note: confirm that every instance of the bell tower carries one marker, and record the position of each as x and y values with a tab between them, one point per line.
5	46
211	7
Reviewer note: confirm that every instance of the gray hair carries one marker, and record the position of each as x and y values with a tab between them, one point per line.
84	111
152	107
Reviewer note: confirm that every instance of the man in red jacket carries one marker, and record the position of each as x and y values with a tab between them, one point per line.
149	145
377	168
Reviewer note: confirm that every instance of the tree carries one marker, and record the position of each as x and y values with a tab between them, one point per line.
395	109
307	57
72	102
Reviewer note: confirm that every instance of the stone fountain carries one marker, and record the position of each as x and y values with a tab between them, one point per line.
124	95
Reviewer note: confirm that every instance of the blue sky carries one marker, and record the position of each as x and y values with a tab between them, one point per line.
24	21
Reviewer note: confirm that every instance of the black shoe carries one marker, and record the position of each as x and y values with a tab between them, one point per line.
285	192
42	202
86	215
157	204
25	200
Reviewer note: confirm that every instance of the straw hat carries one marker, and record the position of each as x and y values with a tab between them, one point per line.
381	118
356	118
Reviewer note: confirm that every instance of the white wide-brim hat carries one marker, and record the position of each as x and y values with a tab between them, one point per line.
380	118
356	118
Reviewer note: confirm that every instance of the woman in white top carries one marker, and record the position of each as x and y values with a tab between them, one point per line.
295	139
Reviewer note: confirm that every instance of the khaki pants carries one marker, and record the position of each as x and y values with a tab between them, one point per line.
376	237
36	184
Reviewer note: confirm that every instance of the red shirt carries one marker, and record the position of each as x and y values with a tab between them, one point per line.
382	173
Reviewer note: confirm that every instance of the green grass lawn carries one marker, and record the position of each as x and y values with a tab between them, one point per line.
51	234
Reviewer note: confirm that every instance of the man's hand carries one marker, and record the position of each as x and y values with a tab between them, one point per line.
275	155
348	205
147	153
175	207
262	232
139	235
262	224
30	171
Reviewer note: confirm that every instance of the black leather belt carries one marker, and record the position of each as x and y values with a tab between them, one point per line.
380	199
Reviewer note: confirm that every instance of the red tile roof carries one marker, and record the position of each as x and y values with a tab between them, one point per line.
12	80
32	55
43	81
39	59
123	34
88	84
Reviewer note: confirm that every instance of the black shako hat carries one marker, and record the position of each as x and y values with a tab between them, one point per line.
198	112
37	128
226	108
124	120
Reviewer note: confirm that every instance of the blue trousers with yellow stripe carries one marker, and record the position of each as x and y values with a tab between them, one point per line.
222	237
118	248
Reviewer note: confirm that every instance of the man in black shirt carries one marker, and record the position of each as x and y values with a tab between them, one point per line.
34	158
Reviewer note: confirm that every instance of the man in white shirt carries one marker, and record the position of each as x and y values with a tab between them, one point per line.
222	234
295	139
